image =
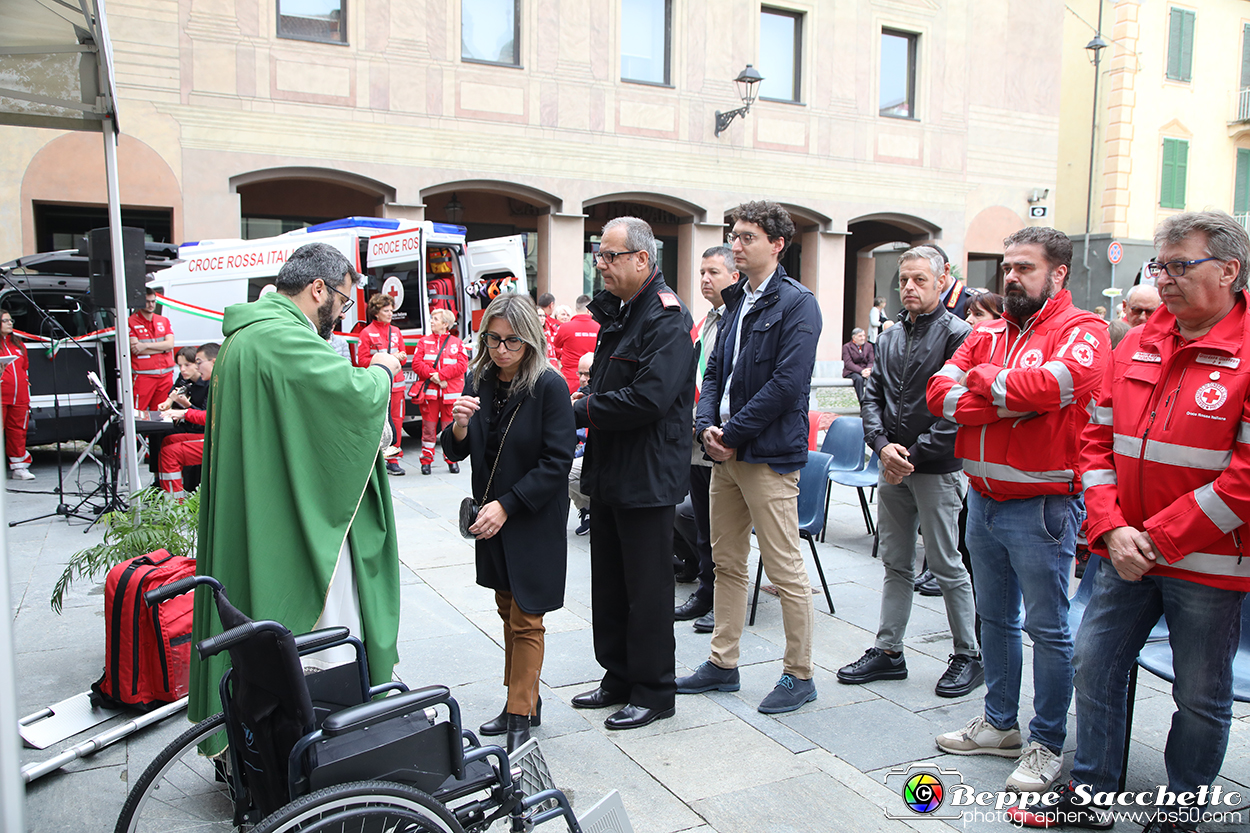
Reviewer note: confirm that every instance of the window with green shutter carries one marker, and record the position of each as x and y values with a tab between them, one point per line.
1175	163
1180	44
1241	184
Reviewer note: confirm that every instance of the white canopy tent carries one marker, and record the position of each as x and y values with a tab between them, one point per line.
56	71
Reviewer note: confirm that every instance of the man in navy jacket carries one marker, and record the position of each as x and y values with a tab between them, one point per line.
752	421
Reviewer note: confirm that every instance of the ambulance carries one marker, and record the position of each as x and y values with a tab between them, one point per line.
422	265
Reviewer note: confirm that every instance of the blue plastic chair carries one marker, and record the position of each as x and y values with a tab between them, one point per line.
813	478
865	478
844	443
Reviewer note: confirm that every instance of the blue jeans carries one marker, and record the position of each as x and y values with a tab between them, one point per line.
1204	626
1022	550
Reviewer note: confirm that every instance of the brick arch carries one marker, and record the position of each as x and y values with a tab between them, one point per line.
70	170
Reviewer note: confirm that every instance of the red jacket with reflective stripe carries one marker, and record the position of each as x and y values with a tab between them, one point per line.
1167	448
451	366
1019	396
14	381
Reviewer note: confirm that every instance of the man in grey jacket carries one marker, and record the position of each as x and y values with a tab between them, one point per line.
921	485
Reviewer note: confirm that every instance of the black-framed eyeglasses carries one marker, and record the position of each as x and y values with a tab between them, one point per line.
608	257
1174	268
511	343
747	237
347	300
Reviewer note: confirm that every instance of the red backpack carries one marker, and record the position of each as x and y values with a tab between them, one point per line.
147	651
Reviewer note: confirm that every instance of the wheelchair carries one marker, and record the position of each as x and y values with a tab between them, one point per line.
326	751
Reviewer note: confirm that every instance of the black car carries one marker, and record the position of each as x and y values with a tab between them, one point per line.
55	285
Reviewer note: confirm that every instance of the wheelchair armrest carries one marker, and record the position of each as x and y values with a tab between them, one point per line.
368	714
307	643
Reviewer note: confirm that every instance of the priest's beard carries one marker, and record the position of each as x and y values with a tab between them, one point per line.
1024	306
326	319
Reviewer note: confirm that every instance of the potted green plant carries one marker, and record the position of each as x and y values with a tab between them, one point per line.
154	520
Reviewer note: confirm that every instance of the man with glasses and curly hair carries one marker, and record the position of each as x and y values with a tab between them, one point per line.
1166	468
752	421
635	470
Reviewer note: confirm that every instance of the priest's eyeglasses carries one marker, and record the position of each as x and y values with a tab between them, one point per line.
511	343
347	300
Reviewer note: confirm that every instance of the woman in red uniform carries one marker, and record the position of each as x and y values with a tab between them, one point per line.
380	336
439	362
15	391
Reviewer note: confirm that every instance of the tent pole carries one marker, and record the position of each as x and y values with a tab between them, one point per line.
130	448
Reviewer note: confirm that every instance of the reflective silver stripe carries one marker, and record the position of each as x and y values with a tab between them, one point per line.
1214	507
164	371
150	340
998	471
952	401
998	389
170	475
1187	456
1172	454
1126	445
1243	433
953	373
1064	377
1212	564
1098	477
1101	416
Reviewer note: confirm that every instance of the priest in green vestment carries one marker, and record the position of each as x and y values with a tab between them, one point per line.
295	510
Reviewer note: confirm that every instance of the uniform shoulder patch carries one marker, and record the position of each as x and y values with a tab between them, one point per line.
669	300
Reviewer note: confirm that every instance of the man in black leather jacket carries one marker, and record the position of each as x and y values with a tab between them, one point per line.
921	484
635	470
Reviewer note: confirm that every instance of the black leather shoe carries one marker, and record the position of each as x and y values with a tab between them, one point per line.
692	608
518	731
634	717
963	674
597	699
929	587
394	468
425	468
705	623
499	725
454	468
875	664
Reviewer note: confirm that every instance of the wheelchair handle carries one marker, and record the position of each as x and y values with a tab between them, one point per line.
176	588
234	636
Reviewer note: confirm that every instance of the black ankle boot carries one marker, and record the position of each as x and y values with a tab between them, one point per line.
500	724
518	731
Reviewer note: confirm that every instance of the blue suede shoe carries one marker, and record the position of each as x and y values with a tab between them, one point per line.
789	693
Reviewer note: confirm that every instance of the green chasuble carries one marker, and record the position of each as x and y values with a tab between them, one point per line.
291	467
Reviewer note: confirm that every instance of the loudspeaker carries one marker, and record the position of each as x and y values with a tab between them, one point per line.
100	267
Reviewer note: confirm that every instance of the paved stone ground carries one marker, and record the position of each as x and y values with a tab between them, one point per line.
718	765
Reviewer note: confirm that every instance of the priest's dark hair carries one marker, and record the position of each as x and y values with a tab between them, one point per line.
312	261
522	316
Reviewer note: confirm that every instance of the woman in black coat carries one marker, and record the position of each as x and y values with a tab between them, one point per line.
515	423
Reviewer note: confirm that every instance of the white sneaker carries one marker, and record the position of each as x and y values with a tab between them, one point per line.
979	737
21	474
1036	771
390	451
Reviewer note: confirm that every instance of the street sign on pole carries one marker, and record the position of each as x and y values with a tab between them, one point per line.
1115	252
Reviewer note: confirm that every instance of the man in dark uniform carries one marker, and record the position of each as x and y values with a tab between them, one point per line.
635	471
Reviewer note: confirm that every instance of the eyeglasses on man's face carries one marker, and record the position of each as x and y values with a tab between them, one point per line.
1174	268
747	237
608	257
1143	311
347	300
511	343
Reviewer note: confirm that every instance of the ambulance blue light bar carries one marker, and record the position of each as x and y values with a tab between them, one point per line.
355	222
448	228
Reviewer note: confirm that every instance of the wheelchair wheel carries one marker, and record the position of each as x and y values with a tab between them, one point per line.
362	807
181	790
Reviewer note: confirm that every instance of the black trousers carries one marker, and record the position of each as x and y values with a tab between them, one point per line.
631	596
700	483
